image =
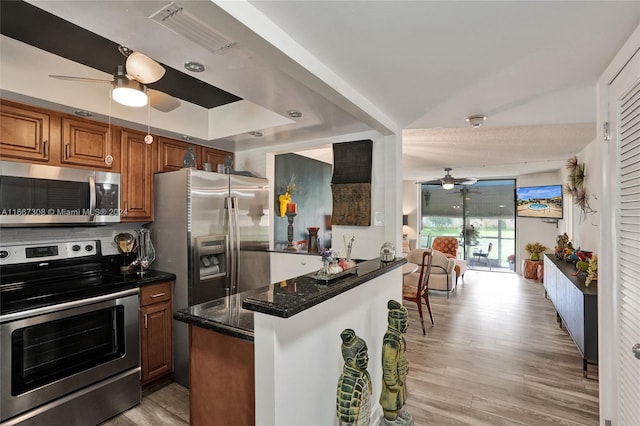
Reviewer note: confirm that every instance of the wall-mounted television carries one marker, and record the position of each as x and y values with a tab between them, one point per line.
543	202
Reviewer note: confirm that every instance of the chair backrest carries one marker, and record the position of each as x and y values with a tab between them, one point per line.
425	271
447	245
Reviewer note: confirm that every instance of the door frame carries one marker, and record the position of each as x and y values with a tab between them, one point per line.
608	310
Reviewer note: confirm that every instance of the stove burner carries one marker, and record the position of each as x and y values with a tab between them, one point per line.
34	276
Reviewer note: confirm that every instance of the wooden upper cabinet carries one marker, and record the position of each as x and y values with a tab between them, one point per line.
214	156
171	153
25	133
137	177
89	144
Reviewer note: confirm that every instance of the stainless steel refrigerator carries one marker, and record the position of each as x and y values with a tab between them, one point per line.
212	231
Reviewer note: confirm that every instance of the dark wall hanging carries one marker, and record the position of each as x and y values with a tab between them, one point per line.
351	183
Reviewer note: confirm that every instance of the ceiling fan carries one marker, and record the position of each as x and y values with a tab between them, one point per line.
130	80
448	181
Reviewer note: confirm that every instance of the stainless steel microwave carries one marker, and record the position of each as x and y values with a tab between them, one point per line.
36	194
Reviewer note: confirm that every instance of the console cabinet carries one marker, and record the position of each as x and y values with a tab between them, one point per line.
156	332
576	306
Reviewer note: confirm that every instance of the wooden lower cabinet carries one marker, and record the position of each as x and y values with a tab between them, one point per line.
156	332
137	177
221	379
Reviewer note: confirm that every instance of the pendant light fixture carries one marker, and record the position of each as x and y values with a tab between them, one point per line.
447	181
128	92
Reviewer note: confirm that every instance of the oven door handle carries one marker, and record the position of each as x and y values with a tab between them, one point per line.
67	305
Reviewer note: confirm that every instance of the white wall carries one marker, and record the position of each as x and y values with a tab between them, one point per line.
299	361
586	229
410	196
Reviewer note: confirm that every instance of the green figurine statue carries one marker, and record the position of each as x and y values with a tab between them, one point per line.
354	386
395	368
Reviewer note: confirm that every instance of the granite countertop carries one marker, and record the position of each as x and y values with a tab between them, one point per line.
293	296
233	315
152	276
224	315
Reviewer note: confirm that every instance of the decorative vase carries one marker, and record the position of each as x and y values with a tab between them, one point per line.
535	256
326	265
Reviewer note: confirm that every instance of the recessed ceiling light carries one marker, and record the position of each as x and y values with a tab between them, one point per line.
476	120
82	113
194	66
294	114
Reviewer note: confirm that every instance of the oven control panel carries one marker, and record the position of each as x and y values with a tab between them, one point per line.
44	252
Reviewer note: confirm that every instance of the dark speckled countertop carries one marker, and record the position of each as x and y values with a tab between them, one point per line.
233	315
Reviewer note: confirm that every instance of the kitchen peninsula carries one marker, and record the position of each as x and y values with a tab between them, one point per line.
272	355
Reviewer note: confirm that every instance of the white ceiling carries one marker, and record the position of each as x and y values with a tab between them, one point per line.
421	66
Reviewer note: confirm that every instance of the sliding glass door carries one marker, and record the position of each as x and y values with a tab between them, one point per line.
481	216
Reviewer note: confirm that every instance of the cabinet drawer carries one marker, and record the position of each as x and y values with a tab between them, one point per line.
154	293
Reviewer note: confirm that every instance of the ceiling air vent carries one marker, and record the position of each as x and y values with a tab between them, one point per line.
178	20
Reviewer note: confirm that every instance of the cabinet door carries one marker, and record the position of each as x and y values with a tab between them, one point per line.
171	153
88	144
214	156
137	177
24	133
156	341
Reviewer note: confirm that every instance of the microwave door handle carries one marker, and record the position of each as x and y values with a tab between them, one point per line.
92	198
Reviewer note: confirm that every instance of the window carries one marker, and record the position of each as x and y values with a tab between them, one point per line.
477	215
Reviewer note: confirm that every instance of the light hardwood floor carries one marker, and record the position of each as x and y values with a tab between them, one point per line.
495	356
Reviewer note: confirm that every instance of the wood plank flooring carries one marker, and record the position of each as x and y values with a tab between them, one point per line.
495	356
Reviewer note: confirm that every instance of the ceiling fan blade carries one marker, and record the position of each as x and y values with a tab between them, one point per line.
466	181
88	80
143	68
162	101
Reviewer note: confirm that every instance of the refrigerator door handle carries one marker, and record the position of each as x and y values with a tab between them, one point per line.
231	257
236	248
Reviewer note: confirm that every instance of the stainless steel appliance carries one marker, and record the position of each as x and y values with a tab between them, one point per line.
212	231
36	194
69	336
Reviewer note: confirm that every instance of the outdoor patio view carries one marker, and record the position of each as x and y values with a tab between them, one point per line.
481	216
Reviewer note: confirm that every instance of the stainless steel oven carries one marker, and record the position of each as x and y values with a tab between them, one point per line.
69	337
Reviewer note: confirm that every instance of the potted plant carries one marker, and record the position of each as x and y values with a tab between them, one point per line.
470	234
534	250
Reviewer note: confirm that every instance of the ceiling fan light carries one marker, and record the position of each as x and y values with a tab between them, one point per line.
129	92
447	185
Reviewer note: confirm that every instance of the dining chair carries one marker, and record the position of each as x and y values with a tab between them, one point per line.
416	291
483	255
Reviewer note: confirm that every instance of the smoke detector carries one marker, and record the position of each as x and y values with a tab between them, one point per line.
476	120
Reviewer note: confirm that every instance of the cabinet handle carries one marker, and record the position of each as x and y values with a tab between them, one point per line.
46	148
66	151
145	320
157	295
